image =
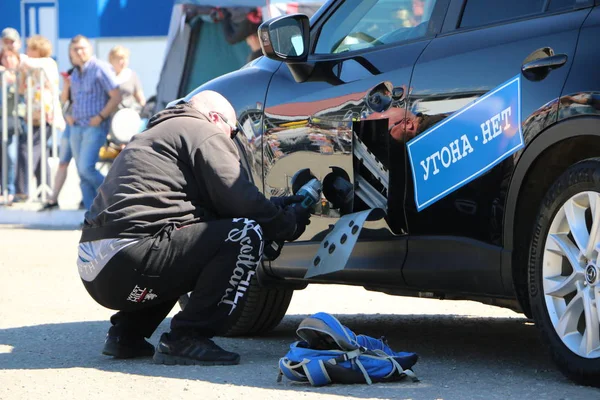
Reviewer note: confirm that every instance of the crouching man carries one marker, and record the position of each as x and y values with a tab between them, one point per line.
177	214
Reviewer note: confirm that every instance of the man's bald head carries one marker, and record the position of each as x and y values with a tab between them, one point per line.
208	101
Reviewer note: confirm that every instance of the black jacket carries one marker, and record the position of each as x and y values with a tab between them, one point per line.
181	170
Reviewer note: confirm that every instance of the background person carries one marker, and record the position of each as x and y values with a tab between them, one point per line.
177	213
64	151
11	40
9	62
95	96
38	61
132	93
241	23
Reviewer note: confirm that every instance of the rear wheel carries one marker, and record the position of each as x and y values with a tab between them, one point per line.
564	275
262	311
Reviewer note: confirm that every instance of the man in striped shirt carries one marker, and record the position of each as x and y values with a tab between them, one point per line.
95	96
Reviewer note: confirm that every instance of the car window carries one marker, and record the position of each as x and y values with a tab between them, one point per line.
484	12
359	24
558	5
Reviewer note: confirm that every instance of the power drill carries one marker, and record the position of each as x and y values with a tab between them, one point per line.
311	191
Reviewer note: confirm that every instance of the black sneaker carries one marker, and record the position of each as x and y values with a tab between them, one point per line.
192	351
124	347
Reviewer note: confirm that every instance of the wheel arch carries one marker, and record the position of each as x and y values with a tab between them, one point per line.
542	162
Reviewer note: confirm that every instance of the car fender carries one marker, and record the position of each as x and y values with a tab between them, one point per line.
564	130
574	131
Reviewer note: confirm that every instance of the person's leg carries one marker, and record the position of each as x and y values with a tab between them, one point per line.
13	142
38	149
11	155
219	292
125	338
91	141
139	316
222	284
64	158
23	173
59	180
215	260
75	135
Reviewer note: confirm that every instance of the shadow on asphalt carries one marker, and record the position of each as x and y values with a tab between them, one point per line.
43	227
448	346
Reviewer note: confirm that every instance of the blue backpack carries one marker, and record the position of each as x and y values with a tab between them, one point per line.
329	352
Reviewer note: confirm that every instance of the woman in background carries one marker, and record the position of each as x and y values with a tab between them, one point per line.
128	81
64	150
37	61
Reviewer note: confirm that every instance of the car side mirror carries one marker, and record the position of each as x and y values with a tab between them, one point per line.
285	38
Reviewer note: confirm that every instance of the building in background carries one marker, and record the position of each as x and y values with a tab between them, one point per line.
140	25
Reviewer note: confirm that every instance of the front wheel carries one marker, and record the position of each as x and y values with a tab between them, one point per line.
261	312
564	275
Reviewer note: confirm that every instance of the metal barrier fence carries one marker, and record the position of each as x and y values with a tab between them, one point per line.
22	113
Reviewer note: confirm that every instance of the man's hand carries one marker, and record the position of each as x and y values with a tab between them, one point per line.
70	120
95	121
302	220
284	201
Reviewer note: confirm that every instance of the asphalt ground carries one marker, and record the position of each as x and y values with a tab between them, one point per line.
51	336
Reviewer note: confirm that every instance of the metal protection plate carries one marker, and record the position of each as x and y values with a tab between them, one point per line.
336	248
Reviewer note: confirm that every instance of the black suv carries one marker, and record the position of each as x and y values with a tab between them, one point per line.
348	92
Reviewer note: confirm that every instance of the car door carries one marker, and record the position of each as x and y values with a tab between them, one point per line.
357	74
483	44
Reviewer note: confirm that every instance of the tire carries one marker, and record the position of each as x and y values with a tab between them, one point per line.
564	280
262	311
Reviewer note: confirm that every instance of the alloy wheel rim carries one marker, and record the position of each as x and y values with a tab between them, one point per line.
570	274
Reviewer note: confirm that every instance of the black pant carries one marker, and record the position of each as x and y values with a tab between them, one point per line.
214	260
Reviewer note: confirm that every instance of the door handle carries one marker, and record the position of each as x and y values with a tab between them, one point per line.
551	62
540	68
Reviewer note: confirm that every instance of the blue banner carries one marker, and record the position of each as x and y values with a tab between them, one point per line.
466	144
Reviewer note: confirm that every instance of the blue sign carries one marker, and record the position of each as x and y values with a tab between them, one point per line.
466	144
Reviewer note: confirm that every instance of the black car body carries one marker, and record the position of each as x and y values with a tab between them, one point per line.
476	242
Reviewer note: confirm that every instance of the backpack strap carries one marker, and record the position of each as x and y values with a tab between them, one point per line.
397	367
314	371
289	370
352	356
364	372
349	355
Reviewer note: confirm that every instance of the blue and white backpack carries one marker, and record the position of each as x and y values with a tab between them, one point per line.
329	352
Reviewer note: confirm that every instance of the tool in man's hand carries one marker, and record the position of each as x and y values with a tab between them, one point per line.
311	192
